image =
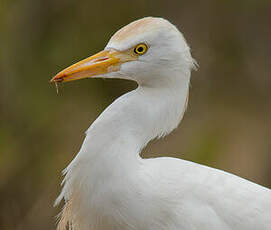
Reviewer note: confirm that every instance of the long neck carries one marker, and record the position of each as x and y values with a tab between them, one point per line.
114	141
135	118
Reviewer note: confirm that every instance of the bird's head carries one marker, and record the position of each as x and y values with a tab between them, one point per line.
149	51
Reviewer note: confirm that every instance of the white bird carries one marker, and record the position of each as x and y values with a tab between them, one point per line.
109	186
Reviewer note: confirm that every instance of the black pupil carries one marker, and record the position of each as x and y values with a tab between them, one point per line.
140	49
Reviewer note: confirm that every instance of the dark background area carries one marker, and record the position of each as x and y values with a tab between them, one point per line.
227	124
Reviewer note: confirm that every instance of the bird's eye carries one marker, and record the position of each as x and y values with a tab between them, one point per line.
141	49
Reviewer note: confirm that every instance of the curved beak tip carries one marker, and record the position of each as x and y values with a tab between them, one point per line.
57	78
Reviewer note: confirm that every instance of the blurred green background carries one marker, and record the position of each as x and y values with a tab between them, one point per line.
227	125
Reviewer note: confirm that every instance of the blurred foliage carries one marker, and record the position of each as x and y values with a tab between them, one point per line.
227	124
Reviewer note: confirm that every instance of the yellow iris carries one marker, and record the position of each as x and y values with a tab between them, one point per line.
141	49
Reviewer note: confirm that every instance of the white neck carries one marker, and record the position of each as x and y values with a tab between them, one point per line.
114	141
134	119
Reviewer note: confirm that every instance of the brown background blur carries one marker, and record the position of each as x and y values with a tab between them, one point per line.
227	125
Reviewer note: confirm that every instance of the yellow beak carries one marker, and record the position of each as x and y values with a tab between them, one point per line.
103	62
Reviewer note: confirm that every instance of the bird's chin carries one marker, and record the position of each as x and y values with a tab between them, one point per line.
111	75
120	75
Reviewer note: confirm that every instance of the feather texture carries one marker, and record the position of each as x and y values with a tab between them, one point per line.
109	186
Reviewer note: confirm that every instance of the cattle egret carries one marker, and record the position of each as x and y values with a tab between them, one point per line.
109	186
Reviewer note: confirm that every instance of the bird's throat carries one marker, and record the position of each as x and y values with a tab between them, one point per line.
111	149
134	119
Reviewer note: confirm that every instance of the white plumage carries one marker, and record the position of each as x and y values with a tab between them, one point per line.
109	186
